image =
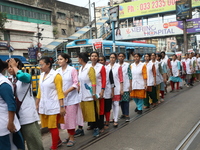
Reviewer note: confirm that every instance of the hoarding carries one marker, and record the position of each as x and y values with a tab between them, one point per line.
158	30
143	7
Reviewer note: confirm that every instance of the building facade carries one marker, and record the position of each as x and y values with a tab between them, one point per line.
50	18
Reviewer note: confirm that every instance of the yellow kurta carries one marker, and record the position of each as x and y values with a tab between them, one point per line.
88	107
51	121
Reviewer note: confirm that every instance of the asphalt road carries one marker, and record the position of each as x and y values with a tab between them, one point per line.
160	128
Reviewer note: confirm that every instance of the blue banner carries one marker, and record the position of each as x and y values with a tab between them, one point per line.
32	53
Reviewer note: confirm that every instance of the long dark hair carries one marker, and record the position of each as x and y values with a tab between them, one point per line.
84	56
3	65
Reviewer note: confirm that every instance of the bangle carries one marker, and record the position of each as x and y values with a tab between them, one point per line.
93	94
62	106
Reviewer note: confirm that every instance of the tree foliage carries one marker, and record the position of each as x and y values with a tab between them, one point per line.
3	20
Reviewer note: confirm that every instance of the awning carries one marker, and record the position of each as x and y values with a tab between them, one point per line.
79	33
53	45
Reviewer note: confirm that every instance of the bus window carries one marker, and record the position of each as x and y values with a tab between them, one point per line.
122	49
154	50
136	50
141	51
74	55
107	50
145	50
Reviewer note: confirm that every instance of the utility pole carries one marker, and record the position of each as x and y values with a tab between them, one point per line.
90	20
185	36
95	25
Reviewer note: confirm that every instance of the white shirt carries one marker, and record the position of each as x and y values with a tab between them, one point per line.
49	103
85	94
137	77
70	79
28	113
175	69
126	81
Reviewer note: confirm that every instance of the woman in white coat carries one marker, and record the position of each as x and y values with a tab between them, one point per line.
27	113
100	73
118	86
50	100
109	91
87	94
10	136
139	82
73	116
124	102
175	78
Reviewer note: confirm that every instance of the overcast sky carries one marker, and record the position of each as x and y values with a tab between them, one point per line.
84	3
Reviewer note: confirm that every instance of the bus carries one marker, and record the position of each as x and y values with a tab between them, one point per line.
86	45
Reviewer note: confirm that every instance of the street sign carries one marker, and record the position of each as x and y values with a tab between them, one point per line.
183	10
114	14
32	53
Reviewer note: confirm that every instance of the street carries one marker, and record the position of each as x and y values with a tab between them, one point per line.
160	128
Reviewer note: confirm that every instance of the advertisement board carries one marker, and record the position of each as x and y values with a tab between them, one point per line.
143	7
158	30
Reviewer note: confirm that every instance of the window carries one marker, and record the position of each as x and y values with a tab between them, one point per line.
76	18
61	15
107	50
6	35
64	32
80	19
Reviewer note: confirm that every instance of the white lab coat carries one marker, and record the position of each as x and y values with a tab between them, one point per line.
4	112
115	69
159	77
49	102
97	69
84	94
175	69
72	98
28	113
137	77
108	89
126	81
150	77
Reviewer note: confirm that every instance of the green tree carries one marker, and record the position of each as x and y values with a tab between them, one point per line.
3	20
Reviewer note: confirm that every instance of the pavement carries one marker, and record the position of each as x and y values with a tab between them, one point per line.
159	128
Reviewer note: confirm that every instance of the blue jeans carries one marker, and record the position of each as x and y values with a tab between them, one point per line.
139	103
125	108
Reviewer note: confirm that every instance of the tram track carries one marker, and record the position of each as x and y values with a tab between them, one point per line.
87	143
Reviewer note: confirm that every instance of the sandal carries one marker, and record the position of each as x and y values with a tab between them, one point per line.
115	124
70	143
112	121
65	141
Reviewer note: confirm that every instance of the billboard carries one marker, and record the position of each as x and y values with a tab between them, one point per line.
143	7
158	30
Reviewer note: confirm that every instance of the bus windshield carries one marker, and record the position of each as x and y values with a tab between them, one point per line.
73	52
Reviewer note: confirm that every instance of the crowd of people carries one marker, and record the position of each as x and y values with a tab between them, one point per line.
69	97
